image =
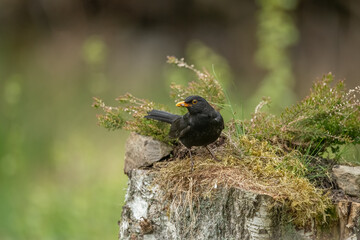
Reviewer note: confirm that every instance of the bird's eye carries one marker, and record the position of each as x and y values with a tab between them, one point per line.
194	101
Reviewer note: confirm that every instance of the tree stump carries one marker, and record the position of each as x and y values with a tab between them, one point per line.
229	214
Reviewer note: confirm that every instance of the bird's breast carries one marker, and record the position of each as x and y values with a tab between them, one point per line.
204	130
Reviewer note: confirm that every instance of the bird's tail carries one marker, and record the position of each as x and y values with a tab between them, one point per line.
162	116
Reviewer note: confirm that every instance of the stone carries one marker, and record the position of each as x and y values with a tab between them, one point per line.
143	151
348	179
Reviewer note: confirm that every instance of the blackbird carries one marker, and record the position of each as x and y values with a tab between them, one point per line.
201	126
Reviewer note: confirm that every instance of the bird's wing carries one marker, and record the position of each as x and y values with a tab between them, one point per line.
180	127
184	131
219	119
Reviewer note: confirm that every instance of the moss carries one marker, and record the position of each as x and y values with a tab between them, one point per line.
260	168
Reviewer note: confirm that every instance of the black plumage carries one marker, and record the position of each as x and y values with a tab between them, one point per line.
201	126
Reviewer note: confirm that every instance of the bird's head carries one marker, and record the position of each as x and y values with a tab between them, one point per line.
195	104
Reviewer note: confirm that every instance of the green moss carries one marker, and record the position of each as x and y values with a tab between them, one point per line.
260	167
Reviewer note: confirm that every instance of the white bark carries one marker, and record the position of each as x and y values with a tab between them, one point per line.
229	214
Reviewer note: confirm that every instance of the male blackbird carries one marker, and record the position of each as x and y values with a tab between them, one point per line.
201	126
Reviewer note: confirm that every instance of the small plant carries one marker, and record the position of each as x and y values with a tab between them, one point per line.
322	122
129	115
328	117
206	86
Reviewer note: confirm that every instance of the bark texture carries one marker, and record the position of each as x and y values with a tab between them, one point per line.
231	214
228	214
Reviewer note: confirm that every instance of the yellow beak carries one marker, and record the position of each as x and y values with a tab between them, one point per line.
183	104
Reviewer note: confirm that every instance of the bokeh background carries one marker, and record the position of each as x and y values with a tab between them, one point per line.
61	175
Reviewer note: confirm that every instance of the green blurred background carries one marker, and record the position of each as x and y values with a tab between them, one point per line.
61	176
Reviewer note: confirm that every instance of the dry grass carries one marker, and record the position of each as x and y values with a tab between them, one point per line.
247	164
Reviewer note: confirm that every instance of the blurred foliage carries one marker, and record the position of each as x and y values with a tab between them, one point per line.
94	54
206	86
57	180
350	154
94	50
217	68
201	55
276	32
12	89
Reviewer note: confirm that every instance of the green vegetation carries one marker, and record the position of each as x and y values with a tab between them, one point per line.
129	115
206	85
319	127
276	33
60	175
329	116
279	155
248	164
